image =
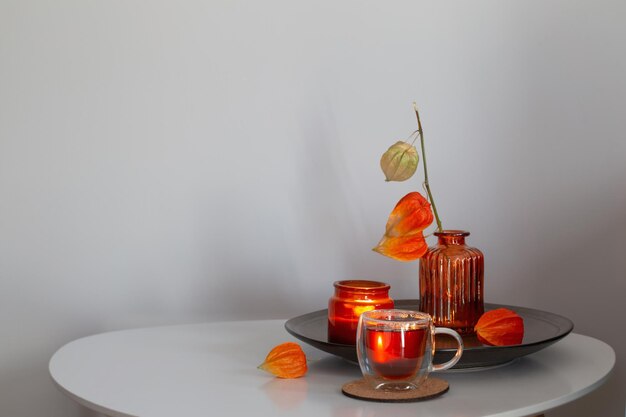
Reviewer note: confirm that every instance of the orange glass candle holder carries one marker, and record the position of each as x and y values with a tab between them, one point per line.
451	282
351	299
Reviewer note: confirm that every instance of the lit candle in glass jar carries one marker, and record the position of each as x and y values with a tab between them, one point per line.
351	299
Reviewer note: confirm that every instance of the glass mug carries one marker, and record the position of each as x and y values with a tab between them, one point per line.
396	348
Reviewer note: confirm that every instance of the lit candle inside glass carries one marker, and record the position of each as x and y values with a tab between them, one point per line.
350	300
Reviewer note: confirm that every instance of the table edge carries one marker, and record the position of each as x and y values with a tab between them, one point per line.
565	399
524	411
86	403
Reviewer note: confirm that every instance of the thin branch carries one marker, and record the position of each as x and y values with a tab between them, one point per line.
426	184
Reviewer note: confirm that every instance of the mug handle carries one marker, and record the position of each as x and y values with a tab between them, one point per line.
457	355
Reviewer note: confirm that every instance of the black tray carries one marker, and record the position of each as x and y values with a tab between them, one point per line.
541	329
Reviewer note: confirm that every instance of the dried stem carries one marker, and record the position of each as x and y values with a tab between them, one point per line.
430	194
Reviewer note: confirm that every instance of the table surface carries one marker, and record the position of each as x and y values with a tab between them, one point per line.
211	368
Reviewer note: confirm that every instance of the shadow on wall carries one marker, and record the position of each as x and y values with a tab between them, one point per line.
315	238
327	208
582	268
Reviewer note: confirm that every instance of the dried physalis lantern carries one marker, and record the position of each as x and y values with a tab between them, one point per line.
286	360
500	327
404	239
399	162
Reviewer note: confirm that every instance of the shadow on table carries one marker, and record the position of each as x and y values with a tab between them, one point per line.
287	394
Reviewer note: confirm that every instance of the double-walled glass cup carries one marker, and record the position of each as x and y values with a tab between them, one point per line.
396	348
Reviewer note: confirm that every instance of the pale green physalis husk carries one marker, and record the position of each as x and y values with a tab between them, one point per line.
399	162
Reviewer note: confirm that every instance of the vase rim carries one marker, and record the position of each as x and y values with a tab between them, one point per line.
361	285
452	233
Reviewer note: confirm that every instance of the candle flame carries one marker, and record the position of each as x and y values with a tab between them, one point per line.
358	310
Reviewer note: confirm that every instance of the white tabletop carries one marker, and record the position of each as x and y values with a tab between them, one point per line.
211	369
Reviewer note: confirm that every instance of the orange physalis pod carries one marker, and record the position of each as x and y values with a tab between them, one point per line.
500	327
403	239
412	214
405	248
286	360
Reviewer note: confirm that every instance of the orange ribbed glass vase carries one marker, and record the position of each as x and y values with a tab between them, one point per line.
451	282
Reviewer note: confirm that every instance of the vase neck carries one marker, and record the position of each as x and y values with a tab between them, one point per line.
452	237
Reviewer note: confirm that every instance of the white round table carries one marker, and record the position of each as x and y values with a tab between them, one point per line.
210	369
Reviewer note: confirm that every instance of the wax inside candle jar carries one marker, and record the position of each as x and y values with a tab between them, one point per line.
394	354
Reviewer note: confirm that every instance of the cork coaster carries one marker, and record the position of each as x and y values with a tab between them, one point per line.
362	390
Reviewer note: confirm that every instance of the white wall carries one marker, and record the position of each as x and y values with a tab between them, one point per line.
168	162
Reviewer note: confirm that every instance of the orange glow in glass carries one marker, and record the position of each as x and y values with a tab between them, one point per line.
350	300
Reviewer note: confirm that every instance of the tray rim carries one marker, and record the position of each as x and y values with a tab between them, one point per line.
564	324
